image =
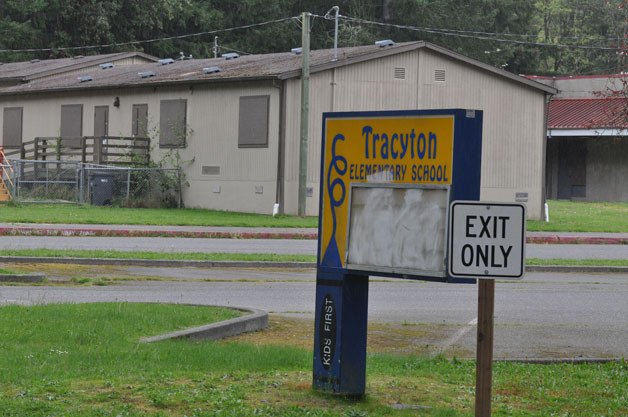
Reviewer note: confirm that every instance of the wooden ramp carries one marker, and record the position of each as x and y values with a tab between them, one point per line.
5	168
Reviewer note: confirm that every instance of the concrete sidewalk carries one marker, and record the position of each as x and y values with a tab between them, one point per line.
28	229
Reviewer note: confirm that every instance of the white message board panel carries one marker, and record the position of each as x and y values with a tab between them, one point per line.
486	240
398	229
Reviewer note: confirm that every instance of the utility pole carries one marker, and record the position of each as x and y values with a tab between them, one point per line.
337	10
305	110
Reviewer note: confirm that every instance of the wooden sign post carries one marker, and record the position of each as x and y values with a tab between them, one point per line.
484	353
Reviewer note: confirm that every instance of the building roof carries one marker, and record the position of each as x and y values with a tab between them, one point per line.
588	113
31	70
592	117
276	66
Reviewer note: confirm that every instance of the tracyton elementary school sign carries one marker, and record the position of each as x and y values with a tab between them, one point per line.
387	180
398	149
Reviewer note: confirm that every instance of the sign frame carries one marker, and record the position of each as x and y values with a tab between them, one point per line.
466	156
443	148
409	273
452	236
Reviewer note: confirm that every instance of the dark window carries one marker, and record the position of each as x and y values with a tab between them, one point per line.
12	127
72	125
140	121
253	122
172	123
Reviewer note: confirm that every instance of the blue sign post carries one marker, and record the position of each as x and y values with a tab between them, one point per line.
387	180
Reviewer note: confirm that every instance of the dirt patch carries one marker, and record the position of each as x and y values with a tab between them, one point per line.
65	272
398	338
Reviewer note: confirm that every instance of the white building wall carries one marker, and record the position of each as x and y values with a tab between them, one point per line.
513	133
366	86
247	178
513	138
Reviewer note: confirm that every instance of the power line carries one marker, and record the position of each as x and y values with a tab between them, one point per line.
476	35
109	45
489	36
227	48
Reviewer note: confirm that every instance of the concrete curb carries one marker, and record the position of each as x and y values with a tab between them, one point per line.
23	278
256	264
554	361
157	262
254	321
576	240
87	232
578	268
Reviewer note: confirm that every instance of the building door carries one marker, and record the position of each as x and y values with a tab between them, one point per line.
101	129
139	128
72	125
101	121
12	127
572	169
140	120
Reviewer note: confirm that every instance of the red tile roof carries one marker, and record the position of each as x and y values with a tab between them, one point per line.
588	113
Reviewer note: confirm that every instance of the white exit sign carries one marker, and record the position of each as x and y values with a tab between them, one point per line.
486	240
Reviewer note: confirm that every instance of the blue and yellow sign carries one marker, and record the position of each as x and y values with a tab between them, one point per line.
386	178
405	147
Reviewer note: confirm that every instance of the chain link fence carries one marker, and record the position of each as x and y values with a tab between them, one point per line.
75	182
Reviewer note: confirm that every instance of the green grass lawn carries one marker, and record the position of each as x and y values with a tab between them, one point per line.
85	360
245	257
61	213
565	216
569	216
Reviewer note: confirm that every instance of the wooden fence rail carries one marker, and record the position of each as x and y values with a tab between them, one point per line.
110	150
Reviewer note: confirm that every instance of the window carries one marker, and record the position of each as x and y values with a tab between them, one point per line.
72	125
12	127
253	122
139	126
172	123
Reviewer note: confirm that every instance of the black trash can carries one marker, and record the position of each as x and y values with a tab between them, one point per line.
101	188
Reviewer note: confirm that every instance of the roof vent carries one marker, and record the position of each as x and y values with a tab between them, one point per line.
211	70
146	74
78	57
106	65
166	61
385	42
34	61
85	78
297	51
230	55
182	57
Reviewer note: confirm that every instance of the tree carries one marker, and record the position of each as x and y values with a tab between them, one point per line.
58	24
581	22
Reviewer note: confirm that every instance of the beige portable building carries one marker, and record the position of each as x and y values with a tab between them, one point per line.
234	124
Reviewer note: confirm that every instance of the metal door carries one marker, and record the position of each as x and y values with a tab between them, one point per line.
101	129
